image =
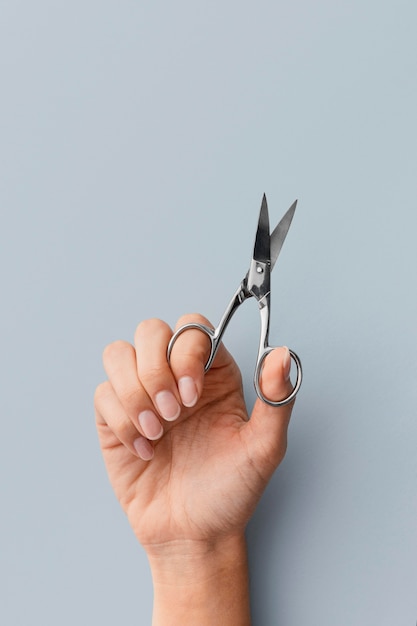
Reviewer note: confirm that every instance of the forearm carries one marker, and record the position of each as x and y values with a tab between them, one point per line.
200	584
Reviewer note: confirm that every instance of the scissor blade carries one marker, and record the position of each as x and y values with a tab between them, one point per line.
280	232
262	247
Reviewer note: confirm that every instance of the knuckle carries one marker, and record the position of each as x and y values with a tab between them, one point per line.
113	350
102	393
193	357
193	318
153	375
125	430
149	327
193	346
131	398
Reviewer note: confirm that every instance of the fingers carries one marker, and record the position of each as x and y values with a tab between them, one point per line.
153	370
145	394
266	432
188	358
119	359
179	382
111	413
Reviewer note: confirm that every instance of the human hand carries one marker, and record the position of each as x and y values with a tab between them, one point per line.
187	465
198	474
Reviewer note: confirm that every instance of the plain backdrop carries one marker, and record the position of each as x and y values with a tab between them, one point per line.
136	141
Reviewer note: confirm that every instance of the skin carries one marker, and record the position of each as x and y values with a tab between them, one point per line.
188	466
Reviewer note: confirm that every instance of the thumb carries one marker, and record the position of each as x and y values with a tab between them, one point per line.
267	428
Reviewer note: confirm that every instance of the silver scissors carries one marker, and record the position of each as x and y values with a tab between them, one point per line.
257	284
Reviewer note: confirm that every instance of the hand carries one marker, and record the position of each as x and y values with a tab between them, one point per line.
186	464
210	464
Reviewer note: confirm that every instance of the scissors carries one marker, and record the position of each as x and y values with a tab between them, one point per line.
256	284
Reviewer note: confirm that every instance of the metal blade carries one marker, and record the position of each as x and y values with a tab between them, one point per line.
280	232
262	248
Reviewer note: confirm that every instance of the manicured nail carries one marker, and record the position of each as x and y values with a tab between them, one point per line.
150	424
167	405
188	391
286	363
143	448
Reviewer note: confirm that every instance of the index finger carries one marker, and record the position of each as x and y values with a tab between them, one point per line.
190	354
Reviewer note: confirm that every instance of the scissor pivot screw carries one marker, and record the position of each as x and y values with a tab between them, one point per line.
259	269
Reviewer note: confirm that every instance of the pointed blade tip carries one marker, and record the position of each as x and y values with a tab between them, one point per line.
261	250
280	232
292	208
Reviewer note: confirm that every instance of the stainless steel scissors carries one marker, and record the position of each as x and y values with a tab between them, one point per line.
257	284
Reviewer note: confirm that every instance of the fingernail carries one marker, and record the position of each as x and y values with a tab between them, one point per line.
286	364
150	424
188	391
167	405
143	448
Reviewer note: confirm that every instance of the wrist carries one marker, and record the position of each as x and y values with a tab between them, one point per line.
201	582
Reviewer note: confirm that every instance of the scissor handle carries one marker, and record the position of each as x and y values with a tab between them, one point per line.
258	372
212	334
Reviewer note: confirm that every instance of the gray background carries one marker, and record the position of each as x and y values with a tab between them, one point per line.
136	141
